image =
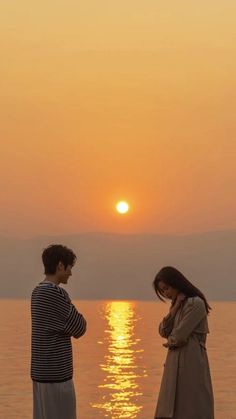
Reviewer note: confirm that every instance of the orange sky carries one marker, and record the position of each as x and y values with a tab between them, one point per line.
106	100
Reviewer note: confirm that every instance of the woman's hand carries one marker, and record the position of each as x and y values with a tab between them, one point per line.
179	299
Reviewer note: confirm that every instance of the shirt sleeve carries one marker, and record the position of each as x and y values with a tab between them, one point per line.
76	324
62	316
193	312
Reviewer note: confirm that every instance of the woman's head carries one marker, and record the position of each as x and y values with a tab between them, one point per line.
169	282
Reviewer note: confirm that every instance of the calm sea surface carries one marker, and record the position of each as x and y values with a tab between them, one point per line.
118	363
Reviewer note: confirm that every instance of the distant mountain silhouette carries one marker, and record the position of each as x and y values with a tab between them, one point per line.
113	266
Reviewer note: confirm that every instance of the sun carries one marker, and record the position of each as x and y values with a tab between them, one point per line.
122	207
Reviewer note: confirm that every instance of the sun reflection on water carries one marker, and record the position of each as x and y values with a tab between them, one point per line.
121	392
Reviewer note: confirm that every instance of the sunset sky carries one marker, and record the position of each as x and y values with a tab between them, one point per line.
109	100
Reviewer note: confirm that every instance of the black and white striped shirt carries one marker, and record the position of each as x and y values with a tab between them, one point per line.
54	321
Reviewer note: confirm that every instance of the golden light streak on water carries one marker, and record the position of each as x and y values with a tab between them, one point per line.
122	395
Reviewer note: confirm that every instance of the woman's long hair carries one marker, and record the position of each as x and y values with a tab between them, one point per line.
171	276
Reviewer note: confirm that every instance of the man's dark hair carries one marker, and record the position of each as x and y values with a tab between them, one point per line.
54	254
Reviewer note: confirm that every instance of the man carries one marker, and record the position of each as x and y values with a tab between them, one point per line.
54	321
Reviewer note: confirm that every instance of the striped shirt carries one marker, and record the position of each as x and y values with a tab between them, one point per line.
54	321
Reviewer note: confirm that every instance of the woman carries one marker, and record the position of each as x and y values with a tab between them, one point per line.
186	389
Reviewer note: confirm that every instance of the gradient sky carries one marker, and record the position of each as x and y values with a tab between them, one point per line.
103	100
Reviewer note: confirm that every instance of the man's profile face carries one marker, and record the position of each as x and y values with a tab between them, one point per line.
64	274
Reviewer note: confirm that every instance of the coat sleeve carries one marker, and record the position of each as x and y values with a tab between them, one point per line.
166	326
193	312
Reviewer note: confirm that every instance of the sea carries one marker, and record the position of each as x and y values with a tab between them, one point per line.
118	363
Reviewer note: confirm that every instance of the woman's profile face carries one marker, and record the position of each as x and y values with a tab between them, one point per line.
168	291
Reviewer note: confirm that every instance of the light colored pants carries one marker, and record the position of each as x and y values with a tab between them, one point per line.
54	400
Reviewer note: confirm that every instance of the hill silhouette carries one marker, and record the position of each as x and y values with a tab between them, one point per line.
113	266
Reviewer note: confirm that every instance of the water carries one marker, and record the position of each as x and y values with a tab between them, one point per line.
118	364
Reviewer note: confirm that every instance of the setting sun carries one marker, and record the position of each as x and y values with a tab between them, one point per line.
122	207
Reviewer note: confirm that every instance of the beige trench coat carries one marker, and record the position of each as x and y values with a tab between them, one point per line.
186	389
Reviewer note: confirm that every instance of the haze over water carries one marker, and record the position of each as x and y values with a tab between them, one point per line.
118	363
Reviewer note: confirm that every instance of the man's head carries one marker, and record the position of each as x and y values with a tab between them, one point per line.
58	261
